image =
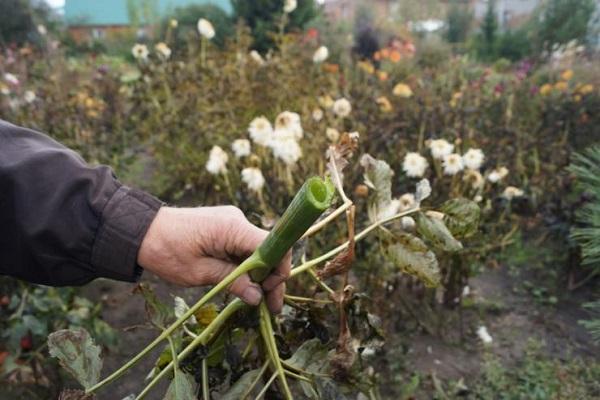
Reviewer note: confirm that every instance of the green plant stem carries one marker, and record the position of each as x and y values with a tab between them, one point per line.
297	376
256	380
266	387
205	383
359	236
201	339
266	330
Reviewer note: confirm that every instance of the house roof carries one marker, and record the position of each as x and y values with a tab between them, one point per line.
114	12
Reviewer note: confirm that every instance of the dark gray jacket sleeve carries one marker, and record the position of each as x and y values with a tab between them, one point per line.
63	222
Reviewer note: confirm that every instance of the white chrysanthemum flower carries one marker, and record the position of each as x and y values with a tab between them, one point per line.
241	147
332	134
414	165
163	51
440	148
139	51
320	55
478	198
11	78
342	107
287	124
408	223
173	23
453	164
29	96
473	178
473	159
256	57
206	29
484	335
181	308
42	30
290	5
497	174
217	161
253	178
466	291
317	114
511	192
261	131
407	202
286	149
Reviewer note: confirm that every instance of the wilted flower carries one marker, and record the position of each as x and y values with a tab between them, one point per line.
217	161
473	178
440	148
414	165
29	96
289	6
139	51
332	134
384	104
11	79
42	30
325	101
206	29
255	55
402	90
164	52
287	124
511	192
253	178
173	23
497	174
286	149
342	107
241	147
260	131
406	202
317	114
473	158
484	335
453	163
320	55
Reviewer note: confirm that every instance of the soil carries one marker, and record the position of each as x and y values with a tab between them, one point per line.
510	315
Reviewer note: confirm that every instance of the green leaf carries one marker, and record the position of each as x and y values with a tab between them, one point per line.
158	312
309	356
412	256
378	176
461	217
241	386
182	387
435	231
77	353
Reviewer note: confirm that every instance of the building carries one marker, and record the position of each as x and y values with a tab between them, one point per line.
93	19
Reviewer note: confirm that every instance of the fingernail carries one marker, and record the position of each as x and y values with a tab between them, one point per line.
252	295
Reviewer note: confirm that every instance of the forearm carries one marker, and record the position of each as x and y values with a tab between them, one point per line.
63	222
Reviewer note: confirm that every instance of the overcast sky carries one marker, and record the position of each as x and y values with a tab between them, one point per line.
56	3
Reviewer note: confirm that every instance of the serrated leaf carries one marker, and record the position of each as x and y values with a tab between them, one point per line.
241	386
435	232
412	256
158	312
461	216
182	387
180	307
378	176
77	353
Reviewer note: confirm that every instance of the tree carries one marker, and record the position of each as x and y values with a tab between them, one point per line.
187	19
263	16
19	20
486	41
459	21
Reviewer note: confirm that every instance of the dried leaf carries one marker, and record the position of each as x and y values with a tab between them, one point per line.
378	176
206	314
412	256
423	191
77	353
339	153
182	387
158	312
70	394
435	232
461	217
342	262
181	308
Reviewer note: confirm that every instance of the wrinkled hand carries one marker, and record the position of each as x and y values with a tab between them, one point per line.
200	246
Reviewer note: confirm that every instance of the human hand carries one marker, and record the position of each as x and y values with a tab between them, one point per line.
201	246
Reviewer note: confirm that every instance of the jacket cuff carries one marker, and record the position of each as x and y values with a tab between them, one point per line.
123	225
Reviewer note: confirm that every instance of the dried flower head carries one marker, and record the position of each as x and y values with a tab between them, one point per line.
256	57
402	90
241	147
511	192
217	161
163	51
406	202
440	148
320	55
139	51
342	107
206	29
286	149
29	96
289	6
414	165
497	174
453	164
473	178
473	159
317	114
261	131
332	134
253	178
287	124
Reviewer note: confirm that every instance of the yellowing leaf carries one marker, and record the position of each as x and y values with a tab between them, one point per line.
206	314
412	256
435	232
461	216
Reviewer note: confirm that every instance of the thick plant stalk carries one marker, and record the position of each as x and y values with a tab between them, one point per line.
313	198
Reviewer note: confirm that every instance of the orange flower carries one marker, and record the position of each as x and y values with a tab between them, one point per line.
382	75
384	104
332	68
377	55
395	56
385	53
402	90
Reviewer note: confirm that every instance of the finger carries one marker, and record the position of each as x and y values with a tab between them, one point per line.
213	271
244	238
275	298
280	274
